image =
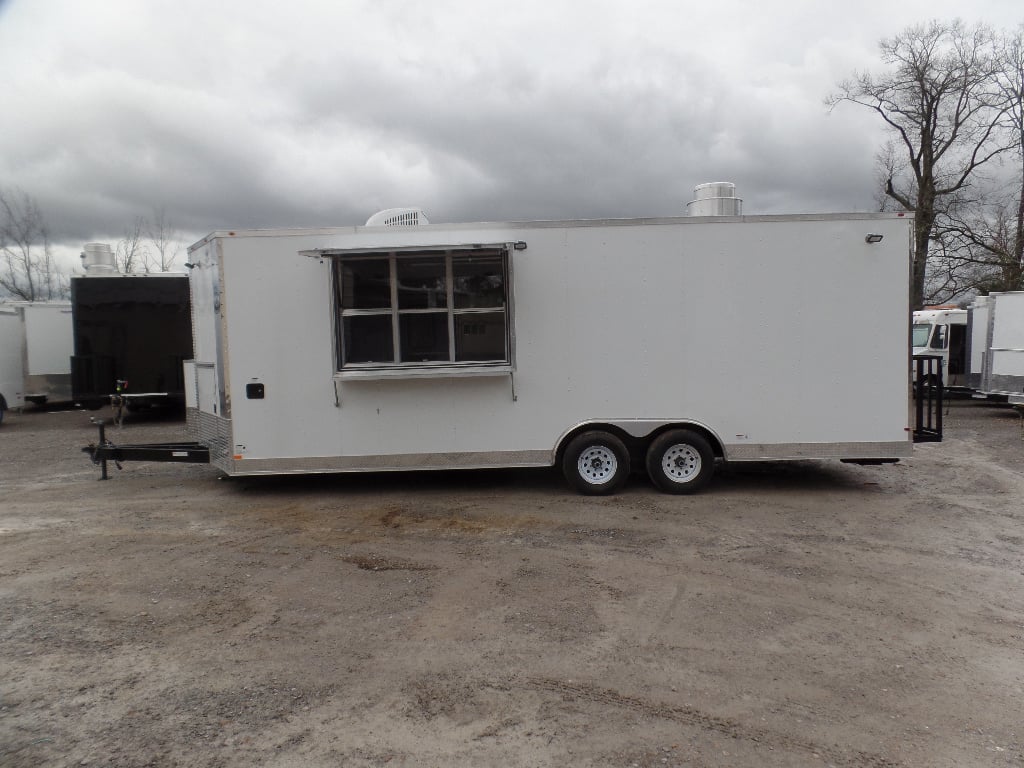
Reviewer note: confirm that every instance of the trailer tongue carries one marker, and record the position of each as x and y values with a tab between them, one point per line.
104	451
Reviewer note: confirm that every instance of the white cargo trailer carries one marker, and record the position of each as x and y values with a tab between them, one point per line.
977	342
593	345
997	346
12	359
48	349
35	353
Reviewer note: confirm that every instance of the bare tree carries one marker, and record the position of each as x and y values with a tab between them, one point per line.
1011	85
163	237
28	270
983	234
132	254
981	244
941	102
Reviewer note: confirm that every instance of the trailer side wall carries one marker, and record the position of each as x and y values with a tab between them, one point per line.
48	349
1006	350
12	357
740	326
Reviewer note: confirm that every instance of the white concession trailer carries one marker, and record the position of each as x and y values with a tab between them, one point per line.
597	346
996	335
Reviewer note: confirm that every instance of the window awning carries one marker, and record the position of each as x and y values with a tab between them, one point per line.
440	250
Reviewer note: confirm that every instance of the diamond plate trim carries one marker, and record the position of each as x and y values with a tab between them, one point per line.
796	451
215	433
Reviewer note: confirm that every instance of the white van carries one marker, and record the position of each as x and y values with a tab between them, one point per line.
942	331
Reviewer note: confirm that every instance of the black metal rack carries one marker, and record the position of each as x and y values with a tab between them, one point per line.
928	398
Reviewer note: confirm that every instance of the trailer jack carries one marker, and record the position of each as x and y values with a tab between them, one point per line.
103	451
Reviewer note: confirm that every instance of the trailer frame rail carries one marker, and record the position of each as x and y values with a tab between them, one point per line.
103	451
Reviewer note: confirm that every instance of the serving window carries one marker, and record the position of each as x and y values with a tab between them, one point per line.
428	308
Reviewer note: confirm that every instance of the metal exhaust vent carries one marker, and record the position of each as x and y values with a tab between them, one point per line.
398	217
716	198
98	259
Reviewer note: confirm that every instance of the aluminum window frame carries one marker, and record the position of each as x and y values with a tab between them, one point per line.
398	367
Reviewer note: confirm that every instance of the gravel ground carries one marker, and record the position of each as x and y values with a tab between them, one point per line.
807	614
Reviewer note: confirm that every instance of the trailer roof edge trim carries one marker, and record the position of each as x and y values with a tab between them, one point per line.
319	253
555	223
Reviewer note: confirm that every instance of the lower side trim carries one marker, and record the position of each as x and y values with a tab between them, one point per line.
797	451
215	432
510	459
48	387
1004	384
390	463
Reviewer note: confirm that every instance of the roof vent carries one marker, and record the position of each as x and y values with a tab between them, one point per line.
98	259
398	217
716	198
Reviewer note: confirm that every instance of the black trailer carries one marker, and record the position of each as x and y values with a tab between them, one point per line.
131	336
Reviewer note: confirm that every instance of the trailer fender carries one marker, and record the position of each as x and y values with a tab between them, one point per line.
638	434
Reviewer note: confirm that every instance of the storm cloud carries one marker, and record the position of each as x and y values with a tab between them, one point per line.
235	115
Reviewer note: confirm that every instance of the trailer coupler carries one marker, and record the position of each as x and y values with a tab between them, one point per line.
104	451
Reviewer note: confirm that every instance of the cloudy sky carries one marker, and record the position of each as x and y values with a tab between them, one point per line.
240	114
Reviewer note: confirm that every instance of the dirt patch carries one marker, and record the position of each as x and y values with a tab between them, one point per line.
811	613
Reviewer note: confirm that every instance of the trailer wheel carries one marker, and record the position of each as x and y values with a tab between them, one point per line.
596	463
680	461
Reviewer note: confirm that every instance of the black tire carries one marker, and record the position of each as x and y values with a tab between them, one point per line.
596	463
680	461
